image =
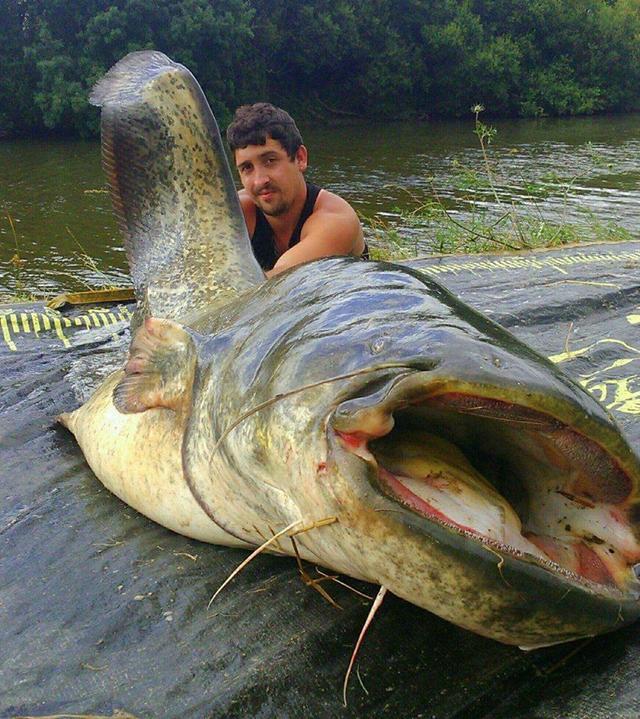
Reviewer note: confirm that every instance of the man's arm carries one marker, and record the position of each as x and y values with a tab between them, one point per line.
332	229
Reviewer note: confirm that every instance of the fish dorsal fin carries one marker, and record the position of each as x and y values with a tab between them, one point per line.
172	189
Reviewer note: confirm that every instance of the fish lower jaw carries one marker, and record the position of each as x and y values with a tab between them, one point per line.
520	493
436	498
477	518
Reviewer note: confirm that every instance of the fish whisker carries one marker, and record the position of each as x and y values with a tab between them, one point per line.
343	584
284	395
364	689
309	581
252	556
304	528
372	612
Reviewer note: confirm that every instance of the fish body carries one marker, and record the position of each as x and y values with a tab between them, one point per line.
406	439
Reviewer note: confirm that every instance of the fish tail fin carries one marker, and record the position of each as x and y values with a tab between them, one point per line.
172	189
160	368
128	76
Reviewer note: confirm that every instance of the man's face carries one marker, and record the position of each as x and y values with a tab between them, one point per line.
270	176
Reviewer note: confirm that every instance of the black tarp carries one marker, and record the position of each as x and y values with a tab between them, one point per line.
101	610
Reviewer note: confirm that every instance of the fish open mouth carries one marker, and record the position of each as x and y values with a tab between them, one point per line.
515	478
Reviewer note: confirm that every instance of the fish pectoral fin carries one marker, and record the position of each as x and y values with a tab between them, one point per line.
160	368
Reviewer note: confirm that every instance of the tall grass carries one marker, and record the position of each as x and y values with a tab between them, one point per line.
497	226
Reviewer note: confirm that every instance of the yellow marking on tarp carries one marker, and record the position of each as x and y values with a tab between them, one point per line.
572	354
617	394
58	327
98	316
512	263
538	263
15	323
633	319
95	318
105	319
620	395
614	365
554	265
622	362
6	334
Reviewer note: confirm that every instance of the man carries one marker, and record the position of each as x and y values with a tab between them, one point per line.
289	220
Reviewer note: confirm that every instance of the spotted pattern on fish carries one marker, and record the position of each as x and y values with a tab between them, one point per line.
172	191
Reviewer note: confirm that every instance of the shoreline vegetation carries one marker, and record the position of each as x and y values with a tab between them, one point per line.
494	223
374	60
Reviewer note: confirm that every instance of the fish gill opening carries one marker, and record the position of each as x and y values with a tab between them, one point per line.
510	476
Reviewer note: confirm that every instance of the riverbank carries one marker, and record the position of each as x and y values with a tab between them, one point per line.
482	233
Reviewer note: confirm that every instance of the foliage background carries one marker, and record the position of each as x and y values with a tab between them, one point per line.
385	59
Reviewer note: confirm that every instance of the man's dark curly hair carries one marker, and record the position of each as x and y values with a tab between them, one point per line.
253	124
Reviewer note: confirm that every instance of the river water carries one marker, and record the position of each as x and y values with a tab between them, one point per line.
55	214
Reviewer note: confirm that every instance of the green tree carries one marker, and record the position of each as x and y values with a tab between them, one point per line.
372	58
17	111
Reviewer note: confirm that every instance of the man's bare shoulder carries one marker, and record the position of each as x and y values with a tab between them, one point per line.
333	209
330	202
334	226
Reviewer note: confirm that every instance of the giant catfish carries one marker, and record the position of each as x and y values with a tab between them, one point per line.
404	438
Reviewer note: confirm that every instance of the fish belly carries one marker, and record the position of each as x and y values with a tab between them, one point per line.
138	457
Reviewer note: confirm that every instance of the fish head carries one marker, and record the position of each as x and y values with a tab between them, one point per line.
413	443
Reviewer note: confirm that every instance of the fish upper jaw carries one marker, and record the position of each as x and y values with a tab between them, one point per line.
503	471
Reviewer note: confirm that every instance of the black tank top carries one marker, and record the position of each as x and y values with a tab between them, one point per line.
263	241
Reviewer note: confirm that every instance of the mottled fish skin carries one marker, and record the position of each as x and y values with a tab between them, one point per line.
172	189
343	333
138	458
